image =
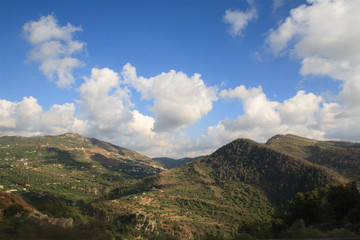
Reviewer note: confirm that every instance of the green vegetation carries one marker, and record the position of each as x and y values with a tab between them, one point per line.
273	172
26	227
69	166
342	157
234	190
335	206
170	163
331	211
290	187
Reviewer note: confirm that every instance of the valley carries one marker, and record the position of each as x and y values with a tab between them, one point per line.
243	189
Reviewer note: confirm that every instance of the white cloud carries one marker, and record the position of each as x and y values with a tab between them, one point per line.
61	119
179	100
105	111
300	109
325	45
259	111
105	103
53	47
278	4
279	39
143	124
263	118
324	34
240	19
141	84
28	118
19	117
47	29
106	106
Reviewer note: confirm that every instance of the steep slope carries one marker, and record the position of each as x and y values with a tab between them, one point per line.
8	199
13	205
278	175
69	165
174	163
240	184
343	157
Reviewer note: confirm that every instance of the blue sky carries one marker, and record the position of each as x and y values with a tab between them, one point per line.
180	78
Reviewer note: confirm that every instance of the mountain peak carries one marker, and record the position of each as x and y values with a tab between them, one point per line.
288	137
42	163
341	157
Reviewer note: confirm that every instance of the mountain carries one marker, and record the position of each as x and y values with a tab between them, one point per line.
174	163
238	186
69	165
342	157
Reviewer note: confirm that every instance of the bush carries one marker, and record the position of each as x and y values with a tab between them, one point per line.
340	233
299	230
15	209
244	236
26	227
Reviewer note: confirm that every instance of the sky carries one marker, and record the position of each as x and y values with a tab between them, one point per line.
180	78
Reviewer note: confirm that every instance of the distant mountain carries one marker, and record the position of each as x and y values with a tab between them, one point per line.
240	184
69	165
170	163
342	157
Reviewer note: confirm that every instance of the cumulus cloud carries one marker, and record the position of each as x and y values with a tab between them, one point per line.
325	46
105	111
178	100
300	109
61	119
28	118
53	47
259	111
15	116
105	103
324	34
263	118
238	20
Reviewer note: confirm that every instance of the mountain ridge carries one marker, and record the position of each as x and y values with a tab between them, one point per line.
77	165
243	176
174	163
340	156
241	185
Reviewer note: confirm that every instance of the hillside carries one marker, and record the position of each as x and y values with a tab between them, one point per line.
11	205
170	163
236	187
19	220
342	157
68	165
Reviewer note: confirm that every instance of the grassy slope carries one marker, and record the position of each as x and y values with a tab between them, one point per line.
69	165
342	157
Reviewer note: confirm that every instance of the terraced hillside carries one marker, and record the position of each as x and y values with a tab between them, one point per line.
239	188
239	185
69	165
